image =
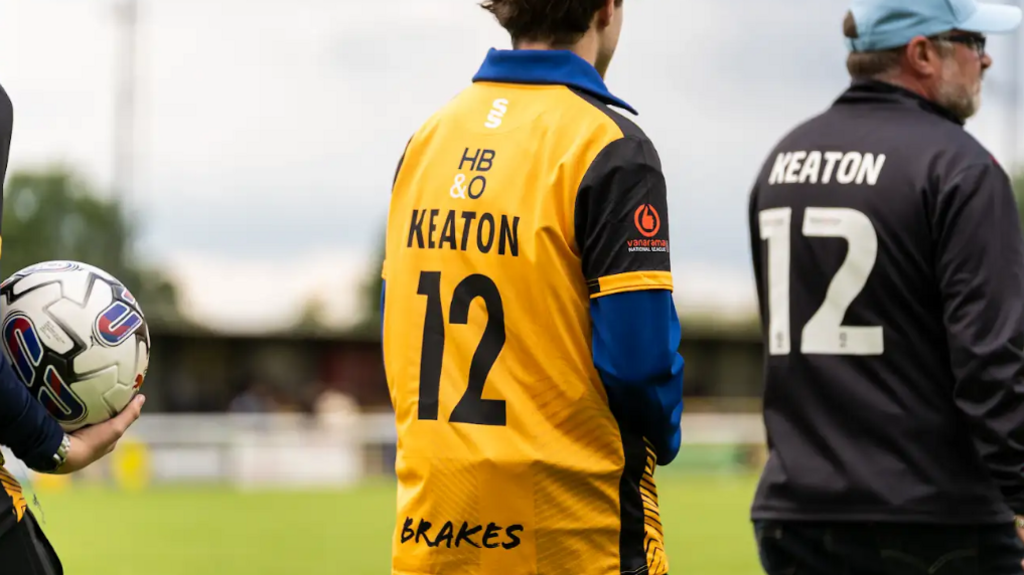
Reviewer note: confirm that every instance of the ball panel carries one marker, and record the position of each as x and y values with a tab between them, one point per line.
94	389
33	276
41	295
117	396
77	315
55	338
22	346
97	358
63	402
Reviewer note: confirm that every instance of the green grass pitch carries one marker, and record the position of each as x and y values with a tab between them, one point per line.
227	532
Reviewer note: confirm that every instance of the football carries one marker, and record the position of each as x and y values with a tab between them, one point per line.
76	337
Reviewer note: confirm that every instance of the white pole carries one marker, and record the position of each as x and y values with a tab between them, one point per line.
124	111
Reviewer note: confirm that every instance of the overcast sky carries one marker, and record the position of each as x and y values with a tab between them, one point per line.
268	130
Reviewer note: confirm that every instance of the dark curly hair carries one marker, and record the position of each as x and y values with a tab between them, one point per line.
560	22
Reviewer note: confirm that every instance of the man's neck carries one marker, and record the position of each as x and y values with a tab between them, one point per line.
909	84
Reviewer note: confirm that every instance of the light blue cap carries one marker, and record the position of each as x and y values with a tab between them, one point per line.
884	24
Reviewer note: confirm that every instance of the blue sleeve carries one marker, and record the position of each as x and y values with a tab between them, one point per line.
25	425
636	338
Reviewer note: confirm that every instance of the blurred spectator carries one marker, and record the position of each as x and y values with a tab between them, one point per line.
255	398
333	409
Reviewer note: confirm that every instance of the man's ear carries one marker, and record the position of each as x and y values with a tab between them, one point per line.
605	15
921	57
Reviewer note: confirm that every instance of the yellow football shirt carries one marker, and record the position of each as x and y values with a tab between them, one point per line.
12	489
513	206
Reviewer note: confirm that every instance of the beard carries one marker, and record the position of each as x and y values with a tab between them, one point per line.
962	99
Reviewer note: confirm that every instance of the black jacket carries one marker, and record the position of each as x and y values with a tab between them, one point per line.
890	269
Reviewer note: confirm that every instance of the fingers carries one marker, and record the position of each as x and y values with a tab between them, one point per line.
102	437
120	423
132	411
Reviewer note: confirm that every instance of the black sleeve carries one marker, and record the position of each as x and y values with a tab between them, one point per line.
980	269
621	220
25	425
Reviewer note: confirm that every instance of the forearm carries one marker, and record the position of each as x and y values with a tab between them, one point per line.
25	425
635	346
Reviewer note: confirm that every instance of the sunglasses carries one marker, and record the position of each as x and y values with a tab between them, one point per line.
975	42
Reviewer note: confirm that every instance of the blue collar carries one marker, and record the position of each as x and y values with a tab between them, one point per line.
546	67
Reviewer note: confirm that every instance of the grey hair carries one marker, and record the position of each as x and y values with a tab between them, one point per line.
883	64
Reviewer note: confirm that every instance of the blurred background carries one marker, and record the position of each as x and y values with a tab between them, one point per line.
231	162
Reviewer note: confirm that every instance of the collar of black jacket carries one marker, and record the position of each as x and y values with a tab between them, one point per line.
869	91
546	67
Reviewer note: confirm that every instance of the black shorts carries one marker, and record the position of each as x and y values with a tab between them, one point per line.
888	549
24	549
